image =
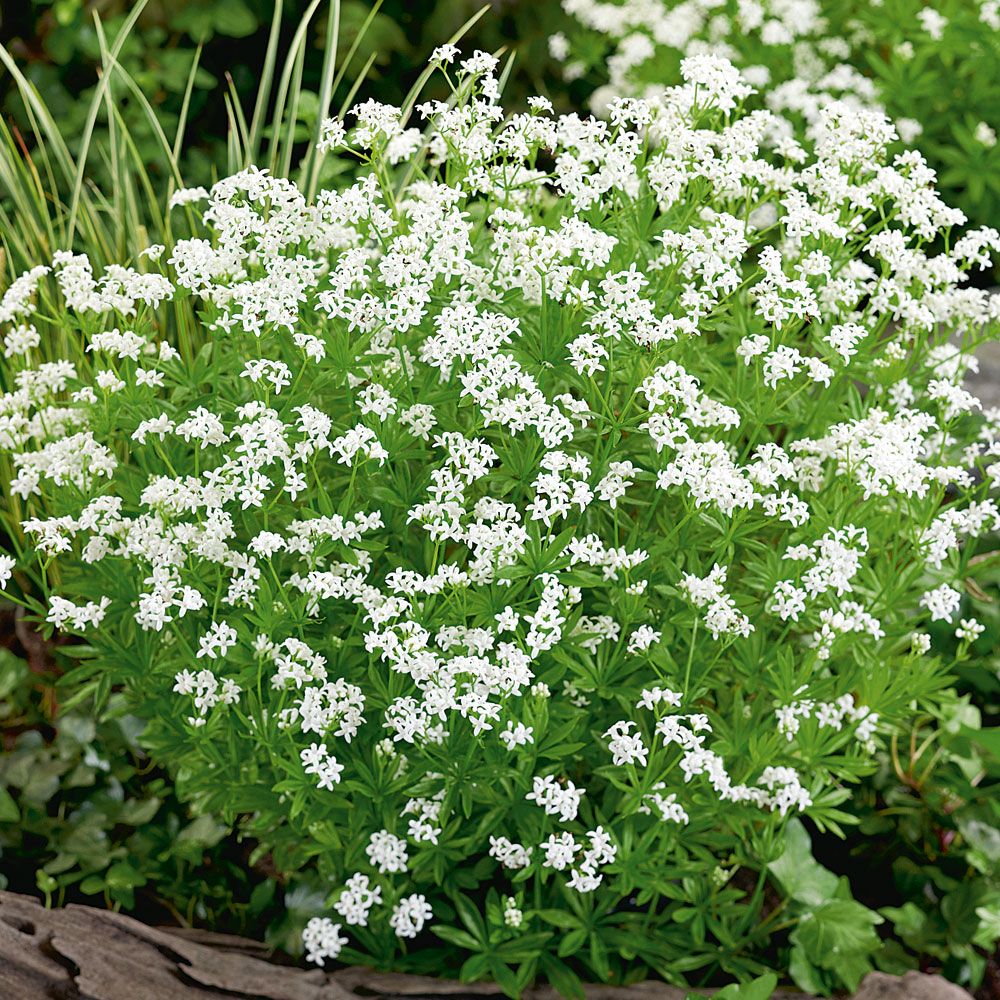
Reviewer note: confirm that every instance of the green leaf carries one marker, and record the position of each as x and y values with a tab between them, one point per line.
456	936
504	978
760	989
92	885
204	831
804	974
137	812
559	918
908	920
988	932
223	17
799	874
474	968
988	739
959	910
122	875
563	979
9	813
572	942
45	882
836	934
470	917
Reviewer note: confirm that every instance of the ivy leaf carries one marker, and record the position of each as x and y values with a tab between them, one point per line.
838	935
909	921
958	908
799	873
804	974
231	18
760	989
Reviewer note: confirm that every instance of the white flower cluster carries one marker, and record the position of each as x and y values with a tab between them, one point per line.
786	49
485	442
317	760
387	852
556	799
357	899
207	691
561	852
409	915
827	714
721	614
322	940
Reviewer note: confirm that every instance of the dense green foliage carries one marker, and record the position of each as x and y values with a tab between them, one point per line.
79	805
931	67
84	814
949	84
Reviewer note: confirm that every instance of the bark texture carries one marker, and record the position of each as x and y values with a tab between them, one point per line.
85	953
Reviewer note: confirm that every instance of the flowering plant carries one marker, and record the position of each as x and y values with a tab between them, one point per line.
937	64
787	48
546	522
930	68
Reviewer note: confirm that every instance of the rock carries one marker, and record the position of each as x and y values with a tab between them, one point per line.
986	382
85	953
912	986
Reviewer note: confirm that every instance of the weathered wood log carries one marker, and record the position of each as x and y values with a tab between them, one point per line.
85	953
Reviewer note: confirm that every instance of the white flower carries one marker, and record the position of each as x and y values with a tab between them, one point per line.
187	196
517	736
387	852
932	21
409	915
509	854
969	629
321	939
318	761
642	638
652	697
7	565
942	602
357	899
626	747
217	641
444	54
556	799
332	135
986	135
513	916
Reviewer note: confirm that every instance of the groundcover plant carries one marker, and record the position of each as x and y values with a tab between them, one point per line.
930	67
786	47
539	527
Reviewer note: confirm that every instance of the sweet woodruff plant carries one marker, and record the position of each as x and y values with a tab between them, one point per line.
534	528
929	66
